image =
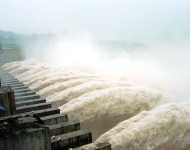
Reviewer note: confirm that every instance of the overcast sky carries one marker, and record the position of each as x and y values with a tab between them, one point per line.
101	19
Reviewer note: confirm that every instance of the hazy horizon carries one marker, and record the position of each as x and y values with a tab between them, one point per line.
141	21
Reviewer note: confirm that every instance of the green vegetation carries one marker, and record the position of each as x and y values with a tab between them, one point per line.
120	44
10	40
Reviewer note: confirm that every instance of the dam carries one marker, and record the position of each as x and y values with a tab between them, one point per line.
34	123
127	115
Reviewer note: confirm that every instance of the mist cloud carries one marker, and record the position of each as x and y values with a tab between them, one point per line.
105	20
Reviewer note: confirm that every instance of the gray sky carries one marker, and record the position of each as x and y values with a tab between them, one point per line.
101	19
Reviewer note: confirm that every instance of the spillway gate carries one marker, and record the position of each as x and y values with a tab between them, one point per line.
31	123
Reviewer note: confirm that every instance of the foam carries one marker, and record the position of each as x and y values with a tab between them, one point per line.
139	117
85	87
166	128
113	101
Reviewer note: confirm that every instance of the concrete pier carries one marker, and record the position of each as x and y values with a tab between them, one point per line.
21	91
71	140
11	81
67	133
8	77
98	145
25	94
28	97
47	112
55	119
28	108
30	102
103	145
63	128
7	100
23	133
19	88
13	84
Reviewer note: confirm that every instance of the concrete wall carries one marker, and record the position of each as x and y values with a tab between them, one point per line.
31	139
10	55
71	140
7	100
63	128
55	119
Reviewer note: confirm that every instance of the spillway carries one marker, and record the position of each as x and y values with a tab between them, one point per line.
126	115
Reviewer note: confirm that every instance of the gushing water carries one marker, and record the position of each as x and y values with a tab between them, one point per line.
127	115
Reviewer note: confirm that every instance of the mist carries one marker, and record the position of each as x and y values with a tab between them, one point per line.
159	65
163	26
139	21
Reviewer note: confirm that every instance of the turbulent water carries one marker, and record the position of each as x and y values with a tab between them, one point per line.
127	115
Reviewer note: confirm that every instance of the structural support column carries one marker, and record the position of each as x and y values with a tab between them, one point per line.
7	100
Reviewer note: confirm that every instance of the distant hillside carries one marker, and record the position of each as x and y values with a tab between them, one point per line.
10	40
7	33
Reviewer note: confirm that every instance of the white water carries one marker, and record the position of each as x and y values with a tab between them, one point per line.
127	115
167	127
